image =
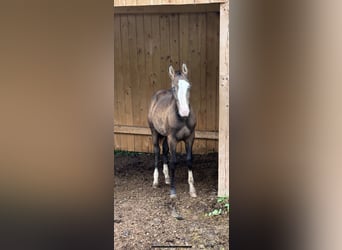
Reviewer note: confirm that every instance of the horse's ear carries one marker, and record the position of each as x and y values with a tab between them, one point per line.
171	72
184	69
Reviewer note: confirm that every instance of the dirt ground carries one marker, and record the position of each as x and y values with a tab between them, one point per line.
144	216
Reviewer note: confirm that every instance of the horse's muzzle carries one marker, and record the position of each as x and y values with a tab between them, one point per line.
184	112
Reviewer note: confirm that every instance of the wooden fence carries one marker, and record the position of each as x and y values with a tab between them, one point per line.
162	2
146	41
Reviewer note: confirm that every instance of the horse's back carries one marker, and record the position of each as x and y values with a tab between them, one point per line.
160	101
162	96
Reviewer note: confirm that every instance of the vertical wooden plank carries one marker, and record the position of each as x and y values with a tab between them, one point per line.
216	86
148	66
114	99
126	109
183	37
118	78
194	63
216	103
141	97
156	79
211	75
134	77
202	114
223	180
198	58
174	40
164	50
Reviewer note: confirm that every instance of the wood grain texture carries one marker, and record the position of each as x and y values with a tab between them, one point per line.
162	2
223	181
135	130
162	9
126	110
212	74
145	44
118	78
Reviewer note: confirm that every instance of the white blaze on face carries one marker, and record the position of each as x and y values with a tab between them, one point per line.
183	87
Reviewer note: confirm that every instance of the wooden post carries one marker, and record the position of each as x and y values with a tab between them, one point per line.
223	179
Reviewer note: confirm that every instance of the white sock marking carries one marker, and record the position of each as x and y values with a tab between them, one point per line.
155	177
166	173
192	189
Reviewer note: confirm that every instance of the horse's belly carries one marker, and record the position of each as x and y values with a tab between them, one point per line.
162	131
160	126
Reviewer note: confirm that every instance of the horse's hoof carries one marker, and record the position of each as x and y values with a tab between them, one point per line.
193	194
155	185
173	196
173	193
167	181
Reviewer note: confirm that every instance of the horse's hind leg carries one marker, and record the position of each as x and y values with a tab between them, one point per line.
188	148
165	161
155	140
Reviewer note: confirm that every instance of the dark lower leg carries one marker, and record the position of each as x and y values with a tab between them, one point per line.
188	156
156	155
156	160
172	176
188	147
165	161
165	151
172	164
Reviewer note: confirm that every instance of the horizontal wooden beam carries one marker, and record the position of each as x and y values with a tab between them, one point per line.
135	130
117	3
121	129
168	9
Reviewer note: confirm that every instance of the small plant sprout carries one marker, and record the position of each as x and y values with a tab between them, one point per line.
223	207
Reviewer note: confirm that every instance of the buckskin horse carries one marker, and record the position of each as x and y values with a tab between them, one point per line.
171	120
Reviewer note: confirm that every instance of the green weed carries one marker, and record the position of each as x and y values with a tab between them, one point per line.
223	207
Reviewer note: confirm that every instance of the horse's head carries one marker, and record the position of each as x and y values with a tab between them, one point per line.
181	89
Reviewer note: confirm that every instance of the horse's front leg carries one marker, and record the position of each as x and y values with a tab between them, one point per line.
173	161
188	147
165	161
155	140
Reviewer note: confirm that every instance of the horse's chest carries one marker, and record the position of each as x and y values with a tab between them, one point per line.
183	133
